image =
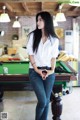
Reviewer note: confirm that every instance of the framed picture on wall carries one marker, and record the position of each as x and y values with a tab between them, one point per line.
60	32
25	31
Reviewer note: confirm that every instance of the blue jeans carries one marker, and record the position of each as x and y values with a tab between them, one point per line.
42	90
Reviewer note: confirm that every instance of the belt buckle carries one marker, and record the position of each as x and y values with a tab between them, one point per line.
44	67
47	67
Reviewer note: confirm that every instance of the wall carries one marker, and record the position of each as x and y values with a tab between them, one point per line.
26	22
78	21
8	32
67	25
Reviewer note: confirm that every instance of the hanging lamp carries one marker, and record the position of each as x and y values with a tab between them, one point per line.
16	23
60	17
4	17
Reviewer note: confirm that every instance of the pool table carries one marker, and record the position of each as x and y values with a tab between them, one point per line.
17	72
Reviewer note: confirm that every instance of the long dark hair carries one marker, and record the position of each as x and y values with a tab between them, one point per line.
48	28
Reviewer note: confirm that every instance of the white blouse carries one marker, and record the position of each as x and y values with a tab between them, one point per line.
46	51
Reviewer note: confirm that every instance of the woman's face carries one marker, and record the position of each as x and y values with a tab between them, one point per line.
40	23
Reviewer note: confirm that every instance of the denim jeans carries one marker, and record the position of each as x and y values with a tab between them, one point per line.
42	90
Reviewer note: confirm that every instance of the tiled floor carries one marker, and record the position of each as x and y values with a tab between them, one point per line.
20	105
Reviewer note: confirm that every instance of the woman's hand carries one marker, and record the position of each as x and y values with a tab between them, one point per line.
40	72
44	73
47	73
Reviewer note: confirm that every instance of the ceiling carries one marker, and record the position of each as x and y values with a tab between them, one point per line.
19	8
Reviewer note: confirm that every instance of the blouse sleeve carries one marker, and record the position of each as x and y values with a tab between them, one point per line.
55	50
30	45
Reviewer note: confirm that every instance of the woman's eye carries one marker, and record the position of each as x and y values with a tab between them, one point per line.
40	19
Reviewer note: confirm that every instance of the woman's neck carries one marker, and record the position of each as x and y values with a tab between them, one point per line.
44	37
43	33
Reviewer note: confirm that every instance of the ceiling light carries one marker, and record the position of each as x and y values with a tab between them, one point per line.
1	33
16	23
60	17
4	17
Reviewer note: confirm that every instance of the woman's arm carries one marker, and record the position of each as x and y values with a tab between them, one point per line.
33	62
31	55
53	64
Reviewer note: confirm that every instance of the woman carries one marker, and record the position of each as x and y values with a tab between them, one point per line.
43	50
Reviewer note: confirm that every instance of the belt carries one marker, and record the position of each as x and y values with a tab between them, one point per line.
44	67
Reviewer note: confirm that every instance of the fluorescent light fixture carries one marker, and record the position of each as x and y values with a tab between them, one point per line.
4	17
16	23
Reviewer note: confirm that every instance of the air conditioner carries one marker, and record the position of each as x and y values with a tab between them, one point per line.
69	41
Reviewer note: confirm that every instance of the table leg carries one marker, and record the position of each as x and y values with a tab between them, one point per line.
56	102
1	93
